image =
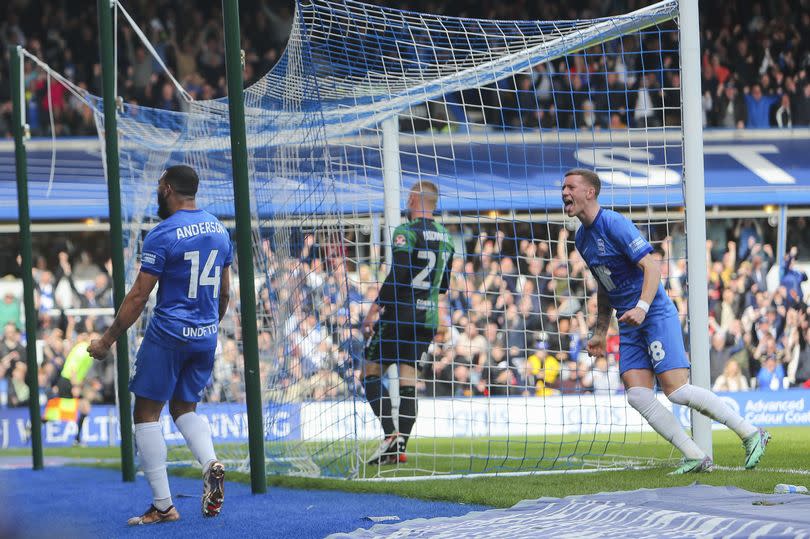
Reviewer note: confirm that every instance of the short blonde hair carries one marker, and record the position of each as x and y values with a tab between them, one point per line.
428	192
588	175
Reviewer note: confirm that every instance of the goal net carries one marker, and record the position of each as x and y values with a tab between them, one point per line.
366	101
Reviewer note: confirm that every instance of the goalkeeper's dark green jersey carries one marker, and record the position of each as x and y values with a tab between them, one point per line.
422	251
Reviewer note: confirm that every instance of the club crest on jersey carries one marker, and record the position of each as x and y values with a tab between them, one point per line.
400	240
600	245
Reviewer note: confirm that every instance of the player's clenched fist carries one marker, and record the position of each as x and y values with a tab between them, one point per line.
596	346
98	349
634	316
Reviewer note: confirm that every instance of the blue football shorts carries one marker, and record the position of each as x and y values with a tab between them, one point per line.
165	373
657	344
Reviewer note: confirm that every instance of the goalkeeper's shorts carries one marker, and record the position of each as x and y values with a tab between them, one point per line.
399	343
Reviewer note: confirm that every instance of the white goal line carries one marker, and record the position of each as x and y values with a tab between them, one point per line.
501	474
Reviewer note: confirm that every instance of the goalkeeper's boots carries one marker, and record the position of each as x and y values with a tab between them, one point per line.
155	516
704	465
390	451
755	447
213	489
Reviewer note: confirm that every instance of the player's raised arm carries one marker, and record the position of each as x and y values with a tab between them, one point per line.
131	309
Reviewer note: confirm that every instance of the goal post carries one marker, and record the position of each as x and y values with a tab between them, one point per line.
392	203
467	118
694	191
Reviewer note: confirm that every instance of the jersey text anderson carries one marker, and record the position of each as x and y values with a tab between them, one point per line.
195	229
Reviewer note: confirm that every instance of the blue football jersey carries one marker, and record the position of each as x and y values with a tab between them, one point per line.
612	247
187	252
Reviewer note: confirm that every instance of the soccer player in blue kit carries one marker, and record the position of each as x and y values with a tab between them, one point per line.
189	253
651	344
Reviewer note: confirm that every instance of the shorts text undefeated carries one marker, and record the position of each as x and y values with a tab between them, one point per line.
200	331
195	229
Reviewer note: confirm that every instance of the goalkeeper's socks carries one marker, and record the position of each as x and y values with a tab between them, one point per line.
710	405
152	451
197	433
662	421
377	396
407	410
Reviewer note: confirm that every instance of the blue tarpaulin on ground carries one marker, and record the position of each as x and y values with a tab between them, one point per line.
475	173
694	511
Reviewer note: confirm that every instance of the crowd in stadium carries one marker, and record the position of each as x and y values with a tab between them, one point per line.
514	322
755	61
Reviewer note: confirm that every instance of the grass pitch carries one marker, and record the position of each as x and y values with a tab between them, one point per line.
786	461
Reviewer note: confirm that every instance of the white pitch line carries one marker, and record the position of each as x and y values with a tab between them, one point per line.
770	470
493	474
563	472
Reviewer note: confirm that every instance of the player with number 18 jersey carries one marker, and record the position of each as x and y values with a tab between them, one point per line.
187	252
612	247
651	344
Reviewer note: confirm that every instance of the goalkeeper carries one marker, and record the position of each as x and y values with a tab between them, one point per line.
629	280
408	308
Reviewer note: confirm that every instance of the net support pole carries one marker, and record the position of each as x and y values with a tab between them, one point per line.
375	241
781	241
392	195
244	251
391	182
694	194
108	75
21	162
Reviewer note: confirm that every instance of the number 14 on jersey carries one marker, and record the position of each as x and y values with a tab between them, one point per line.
210	275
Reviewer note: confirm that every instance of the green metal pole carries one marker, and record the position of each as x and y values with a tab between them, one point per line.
105	24
27	258
247	293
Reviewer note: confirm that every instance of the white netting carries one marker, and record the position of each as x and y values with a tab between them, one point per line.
493	112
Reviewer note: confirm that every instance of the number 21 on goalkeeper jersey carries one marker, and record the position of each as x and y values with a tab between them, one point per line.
187	252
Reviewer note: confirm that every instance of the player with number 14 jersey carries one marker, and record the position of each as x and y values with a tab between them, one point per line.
187	252
188	255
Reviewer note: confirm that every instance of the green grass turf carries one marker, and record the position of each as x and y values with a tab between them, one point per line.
786	461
